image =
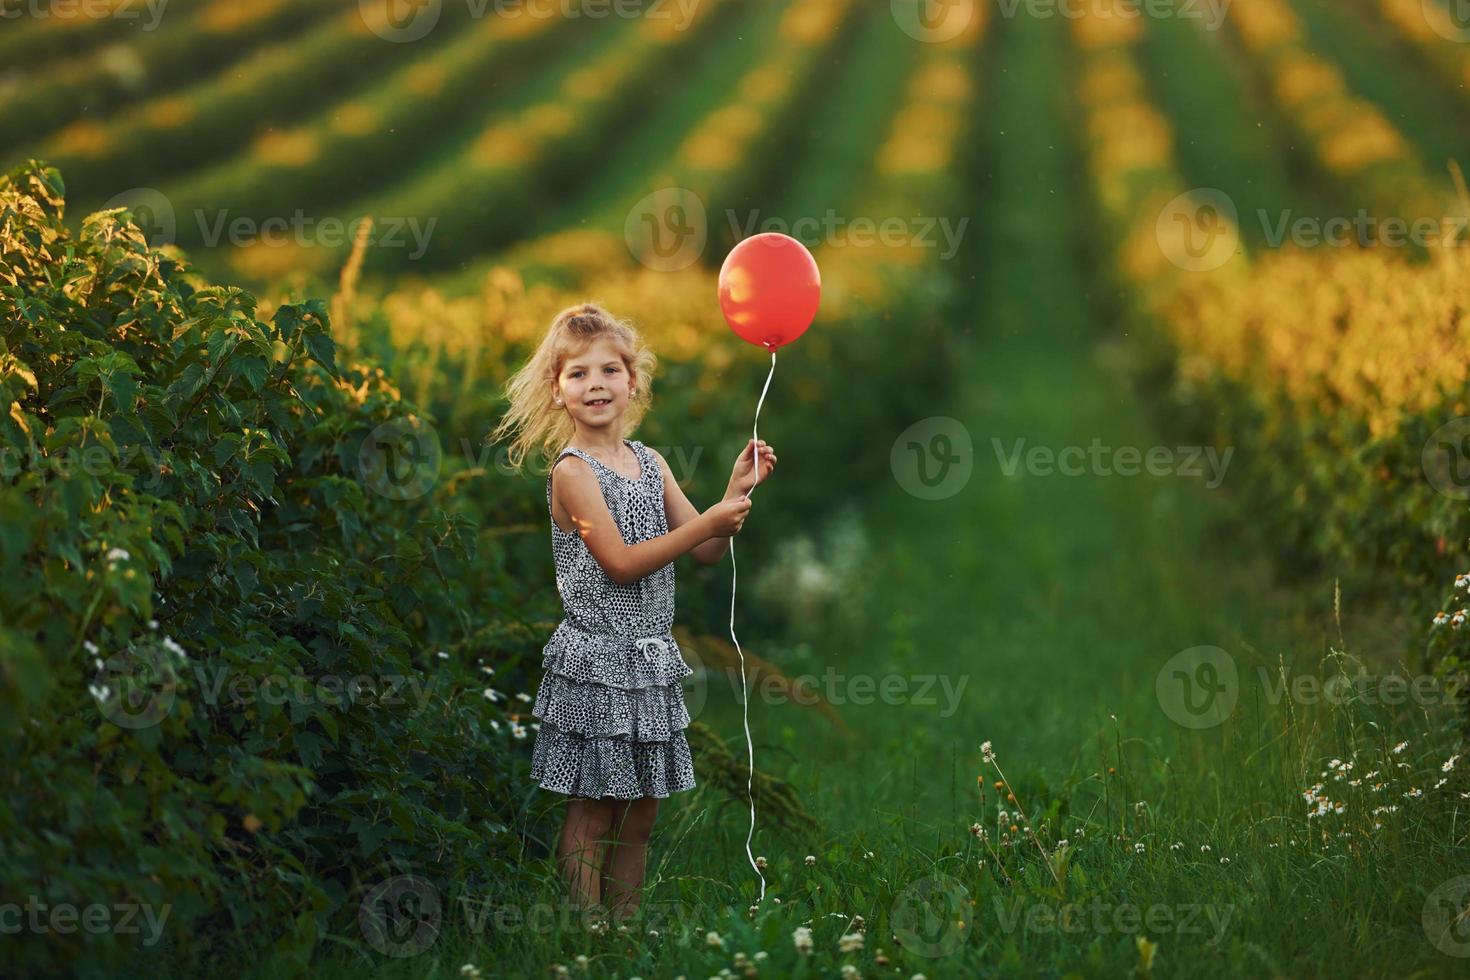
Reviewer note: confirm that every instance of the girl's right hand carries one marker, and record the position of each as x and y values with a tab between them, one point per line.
726	517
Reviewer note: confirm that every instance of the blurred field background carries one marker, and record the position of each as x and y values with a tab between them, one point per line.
1235	225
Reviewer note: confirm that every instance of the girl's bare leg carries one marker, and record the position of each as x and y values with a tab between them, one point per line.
580	857
622	877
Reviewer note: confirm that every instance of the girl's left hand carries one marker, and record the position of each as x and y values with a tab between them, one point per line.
742	476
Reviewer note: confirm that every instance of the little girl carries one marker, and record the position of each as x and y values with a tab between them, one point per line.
611	706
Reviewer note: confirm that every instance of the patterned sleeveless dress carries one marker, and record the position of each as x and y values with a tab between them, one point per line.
611	704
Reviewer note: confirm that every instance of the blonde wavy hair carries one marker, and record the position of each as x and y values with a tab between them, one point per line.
533	423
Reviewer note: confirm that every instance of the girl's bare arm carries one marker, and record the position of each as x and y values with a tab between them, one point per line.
580	496
680	512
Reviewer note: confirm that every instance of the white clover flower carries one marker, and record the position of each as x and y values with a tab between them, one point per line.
850	942
470	970
802	939
760	861
713	939
1138	848
811	860
761	956
850	972
118	554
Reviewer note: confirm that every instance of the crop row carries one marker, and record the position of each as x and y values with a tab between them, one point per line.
176	132
376	133
100	82
1433	33
1347	137
488	189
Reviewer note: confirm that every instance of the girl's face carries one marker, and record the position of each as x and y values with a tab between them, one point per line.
594	385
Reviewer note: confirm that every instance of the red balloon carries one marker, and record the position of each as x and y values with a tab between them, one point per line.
769	289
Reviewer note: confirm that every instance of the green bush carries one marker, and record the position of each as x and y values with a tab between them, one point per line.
199	557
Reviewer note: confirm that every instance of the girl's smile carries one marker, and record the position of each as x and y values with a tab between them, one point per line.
594	386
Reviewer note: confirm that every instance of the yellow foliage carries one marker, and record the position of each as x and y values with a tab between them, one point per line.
285	148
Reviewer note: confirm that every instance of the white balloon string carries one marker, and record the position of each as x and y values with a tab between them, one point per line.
744	691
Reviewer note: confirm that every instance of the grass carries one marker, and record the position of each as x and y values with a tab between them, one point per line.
1046	607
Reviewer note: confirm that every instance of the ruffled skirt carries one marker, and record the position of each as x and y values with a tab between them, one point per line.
612	716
